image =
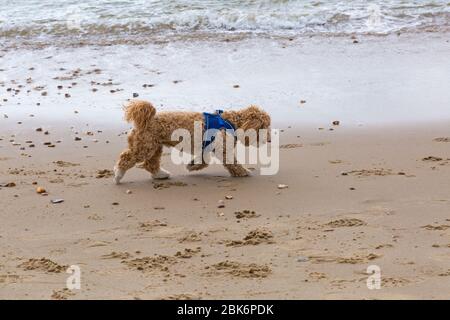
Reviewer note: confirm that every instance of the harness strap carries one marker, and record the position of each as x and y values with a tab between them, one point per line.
213	123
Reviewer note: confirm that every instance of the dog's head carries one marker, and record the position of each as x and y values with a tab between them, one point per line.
252	118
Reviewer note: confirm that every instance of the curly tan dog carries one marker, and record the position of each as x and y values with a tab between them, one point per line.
153	130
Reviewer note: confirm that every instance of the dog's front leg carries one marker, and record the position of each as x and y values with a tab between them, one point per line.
196	164
227	148
237	170
126	161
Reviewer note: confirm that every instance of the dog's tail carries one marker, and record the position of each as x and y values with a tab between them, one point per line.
140	112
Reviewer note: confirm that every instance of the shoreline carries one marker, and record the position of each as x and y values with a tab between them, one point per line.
389	81
99	41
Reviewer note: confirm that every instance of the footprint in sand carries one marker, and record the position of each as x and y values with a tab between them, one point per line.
356	259
65	164
383	246
95	217
104	173
182	296
246	214
337	162
165	185
371	172
150	225
432	159
90	243
438	160
441	227
317	276
43	264
242	270
442	139
117	255
346	222
151	264
340	283
10	278
190	236
62	294
160	262
254	237
445	273
291	146
392	282
188	253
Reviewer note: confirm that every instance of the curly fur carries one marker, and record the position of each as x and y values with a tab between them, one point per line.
153	130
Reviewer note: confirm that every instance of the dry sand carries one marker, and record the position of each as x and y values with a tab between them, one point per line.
342	211
357	196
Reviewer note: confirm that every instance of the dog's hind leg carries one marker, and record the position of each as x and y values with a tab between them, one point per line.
153	165
126	161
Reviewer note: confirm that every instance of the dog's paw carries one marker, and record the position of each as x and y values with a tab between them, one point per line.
118	175
161	174
240	172
196	166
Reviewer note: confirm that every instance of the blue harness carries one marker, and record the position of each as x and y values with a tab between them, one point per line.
214	123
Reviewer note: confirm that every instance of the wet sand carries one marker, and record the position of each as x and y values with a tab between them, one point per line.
361	193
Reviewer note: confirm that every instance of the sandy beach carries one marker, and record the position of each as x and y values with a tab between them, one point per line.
372	190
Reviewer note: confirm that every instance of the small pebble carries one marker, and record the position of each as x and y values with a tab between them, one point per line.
40	190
